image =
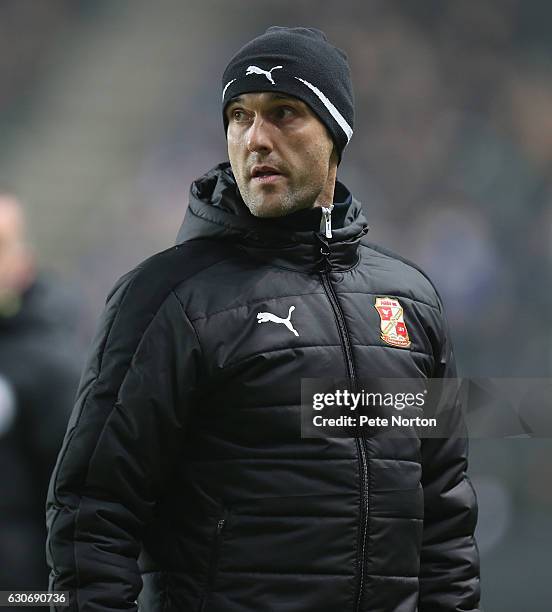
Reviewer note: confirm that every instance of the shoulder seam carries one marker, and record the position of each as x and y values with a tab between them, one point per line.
190	322
115	315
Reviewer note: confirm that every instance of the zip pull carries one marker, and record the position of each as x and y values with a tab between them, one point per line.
220	525
326	221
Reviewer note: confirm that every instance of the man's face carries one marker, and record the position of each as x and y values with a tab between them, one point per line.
280	153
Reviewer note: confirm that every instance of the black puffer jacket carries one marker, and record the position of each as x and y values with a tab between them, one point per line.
184	448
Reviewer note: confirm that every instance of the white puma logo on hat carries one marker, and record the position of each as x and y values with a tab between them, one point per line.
267	73
265	317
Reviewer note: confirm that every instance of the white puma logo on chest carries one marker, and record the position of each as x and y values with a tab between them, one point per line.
265	317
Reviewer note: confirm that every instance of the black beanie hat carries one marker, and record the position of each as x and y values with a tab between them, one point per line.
299	62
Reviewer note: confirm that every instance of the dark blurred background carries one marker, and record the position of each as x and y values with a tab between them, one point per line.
108	110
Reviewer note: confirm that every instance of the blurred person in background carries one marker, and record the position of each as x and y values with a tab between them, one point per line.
39	369
183	482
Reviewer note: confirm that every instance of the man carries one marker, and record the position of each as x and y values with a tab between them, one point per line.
183	469
38	379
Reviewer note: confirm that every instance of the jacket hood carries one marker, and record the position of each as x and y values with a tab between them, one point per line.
217	211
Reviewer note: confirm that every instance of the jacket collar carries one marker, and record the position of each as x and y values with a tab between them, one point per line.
217	211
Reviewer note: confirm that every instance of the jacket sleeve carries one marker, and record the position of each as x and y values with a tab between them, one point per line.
449	570
123	436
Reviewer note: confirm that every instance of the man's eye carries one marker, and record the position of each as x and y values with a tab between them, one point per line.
284	112
238	115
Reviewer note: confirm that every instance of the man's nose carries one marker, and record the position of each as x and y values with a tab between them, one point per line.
258	136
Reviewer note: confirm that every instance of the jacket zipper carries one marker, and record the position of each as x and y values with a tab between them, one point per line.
351	375
326	221
214	558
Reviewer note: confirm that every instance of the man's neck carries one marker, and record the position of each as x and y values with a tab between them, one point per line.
326	196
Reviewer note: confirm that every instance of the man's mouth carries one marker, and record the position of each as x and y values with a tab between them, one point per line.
265	174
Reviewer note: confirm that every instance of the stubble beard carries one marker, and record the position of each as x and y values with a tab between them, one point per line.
289	201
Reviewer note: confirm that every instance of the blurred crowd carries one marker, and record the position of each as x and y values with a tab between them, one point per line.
39	370
451	158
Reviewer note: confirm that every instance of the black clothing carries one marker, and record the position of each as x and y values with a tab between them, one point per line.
184	446
39	373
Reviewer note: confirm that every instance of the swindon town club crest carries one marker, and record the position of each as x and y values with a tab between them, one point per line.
393	327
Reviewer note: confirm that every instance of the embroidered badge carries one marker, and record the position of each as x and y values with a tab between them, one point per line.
393	327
